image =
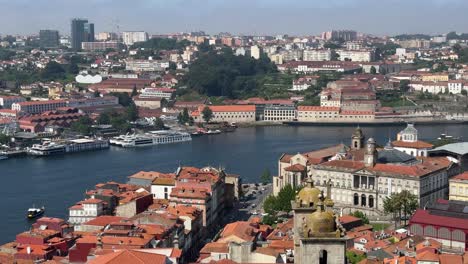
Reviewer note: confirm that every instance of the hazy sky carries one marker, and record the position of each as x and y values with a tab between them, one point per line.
294	17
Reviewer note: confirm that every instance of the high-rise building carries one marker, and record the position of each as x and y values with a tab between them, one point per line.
81	31
131	37
255	52
49	38
340	35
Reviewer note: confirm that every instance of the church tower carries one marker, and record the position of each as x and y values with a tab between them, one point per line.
318	236
370	158
357	139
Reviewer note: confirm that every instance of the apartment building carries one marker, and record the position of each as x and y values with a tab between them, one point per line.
317	55
7	101
356	55
458	189
37	107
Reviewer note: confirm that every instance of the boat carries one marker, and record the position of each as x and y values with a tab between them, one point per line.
3	157
150	138
213	132
46	149
35	212
198	132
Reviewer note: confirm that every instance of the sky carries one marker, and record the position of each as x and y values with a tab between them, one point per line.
292	17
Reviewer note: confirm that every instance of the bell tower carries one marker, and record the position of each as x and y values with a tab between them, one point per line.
357	139
318	235
370	158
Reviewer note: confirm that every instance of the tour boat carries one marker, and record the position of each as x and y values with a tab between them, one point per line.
35	212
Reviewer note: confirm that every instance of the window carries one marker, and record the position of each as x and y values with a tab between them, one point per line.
323	257
356	199
363	200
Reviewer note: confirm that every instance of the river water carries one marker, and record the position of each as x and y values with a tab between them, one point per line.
60	181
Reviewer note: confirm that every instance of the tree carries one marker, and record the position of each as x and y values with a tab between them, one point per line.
281	202
124	98
73	68
104	118
53	71
464	92
134	91
4	139
266	176
207	114
362	216
164	102
373	70
82	126
159	124
132	112
391	207
404	85
409	203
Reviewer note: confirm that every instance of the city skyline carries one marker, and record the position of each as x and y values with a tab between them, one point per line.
258	17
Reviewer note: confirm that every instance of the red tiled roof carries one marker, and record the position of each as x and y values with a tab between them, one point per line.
424	217
317	108
104	220
41	102
417	144
216	247
461	177
229	108
295	168
129	257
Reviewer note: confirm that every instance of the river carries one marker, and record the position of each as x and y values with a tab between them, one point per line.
60	181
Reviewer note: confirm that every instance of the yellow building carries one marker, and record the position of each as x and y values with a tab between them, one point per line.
459	187
435	77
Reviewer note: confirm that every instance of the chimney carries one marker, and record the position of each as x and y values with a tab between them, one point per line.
28	250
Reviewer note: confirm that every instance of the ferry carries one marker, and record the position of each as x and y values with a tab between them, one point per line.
150	138
48	148
35	212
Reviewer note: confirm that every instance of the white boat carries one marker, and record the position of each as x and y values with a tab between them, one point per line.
150	138
46	149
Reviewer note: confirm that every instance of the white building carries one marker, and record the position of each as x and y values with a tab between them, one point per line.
131	37
407	142
160	92
356	55
429	87
317	55
279	113
255	52
85	210
161	187
146	65
457	86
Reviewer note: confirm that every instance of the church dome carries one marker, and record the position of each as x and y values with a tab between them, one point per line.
309	195
320	222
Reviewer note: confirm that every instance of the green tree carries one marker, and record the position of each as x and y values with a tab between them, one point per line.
132	112
124	98
159	124
373	70
362	216
354	258
464	92
4	139
391	206
82	126
104	118
409	203
53	71
404	85
266	176
207	114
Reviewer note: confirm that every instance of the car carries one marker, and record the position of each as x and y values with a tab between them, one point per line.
253	205
254	192
263	189
255	212
264	214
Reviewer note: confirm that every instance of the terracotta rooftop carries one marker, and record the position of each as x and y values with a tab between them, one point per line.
216	247
460	177
229	108
129	257
417	144
425	218
104	220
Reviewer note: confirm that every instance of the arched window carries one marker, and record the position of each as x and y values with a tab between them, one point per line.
355	144
371	201
363	200
323	257
356	199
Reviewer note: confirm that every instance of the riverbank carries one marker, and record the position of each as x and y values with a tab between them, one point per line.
377	123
